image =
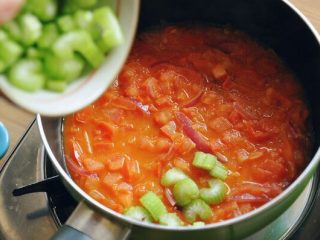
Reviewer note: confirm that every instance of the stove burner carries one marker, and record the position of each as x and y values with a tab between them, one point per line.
60	201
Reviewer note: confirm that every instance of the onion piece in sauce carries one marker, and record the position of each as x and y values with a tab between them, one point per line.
201	142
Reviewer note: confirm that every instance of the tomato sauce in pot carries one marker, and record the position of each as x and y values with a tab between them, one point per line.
188	89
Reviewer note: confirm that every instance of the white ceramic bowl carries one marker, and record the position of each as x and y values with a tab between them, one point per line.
88	88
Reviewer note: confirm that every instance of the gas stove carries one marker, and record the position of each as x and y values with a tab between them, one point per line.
34	203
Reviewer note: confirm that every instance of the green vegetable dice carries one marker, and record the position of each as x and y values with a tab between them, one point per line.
27	75
10	52
49	35
63	69
45	10
13	30
78	41
31	29
109	28
66	23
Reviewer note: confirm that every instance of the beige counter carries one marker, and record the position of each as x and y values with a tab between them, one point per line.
17	120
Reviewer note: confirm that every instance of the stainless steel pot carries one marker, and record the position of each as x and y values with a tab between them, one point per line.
276	24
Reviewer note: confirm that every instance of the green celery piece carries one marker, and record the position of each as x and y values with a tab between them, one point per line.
110	34
219	171
63	69
197	208
172	176
198	224
84	20
56	86
84	3
3	66
70	6
49	35
78	41
45	10
138	213
154	205
13	30
184	191
27	75
216	193
170	219
204	161
31	29
66	23
34	53
3	35
10	52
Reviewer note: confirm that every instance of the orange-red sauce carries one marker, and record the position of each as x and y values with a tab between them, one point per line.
245	107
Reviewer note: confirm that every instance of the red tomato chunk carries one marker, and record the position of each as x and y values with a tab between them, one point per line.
188	89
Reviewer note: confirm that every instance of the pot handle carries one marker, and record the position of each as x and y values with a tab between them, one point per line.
86	224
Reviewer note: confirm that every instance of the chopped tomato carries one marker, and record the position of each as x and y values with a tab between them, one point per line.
132	169
112	178
93	165
116	161
105	129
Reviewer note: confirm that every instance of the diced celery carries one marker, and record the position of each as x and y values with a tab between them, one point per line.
3	35
172	176
3	66
184	191
45	10
170	219
13	30
56	86
84	3
49	35
34	53
216	193
10	52
138	213
197	208
198	224
78	41
83	19
204	161
71	6
27	75
63	68
31	29
110	32
219	171
154	205
66	23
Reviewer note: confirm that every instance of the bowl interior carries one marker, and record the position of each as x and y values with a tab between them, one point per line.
88	88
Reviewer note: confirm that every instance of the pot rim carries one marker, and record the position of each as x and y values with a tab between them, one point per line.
109	212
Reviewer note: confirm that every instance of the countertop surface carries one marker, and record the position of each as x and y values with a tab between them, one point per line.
17	120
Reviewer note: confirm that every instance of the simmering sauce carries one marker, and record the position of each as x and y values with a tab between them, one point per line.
188	89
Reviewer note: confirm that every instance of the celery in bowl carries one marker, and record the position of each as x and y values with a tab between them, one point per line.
56	62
